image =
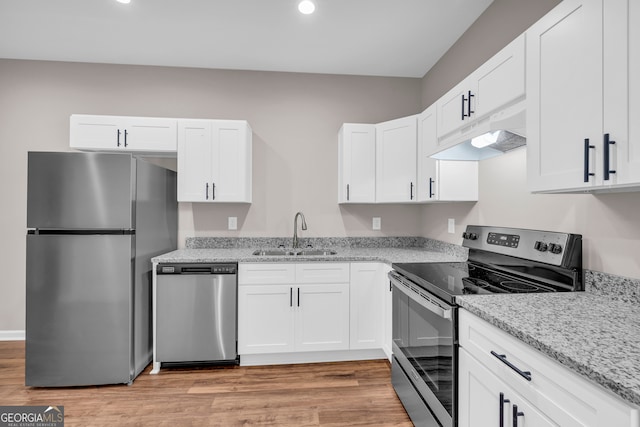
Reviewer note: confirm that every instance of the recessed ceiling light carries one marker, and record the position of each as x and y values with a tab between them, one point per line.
306	6
124	1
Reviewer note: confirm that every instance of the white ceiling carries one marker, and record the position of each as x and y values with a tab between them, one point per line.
403	38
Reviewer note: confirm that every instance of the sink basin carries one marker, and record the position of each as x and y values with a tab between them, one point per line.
287	252
273	252
320	252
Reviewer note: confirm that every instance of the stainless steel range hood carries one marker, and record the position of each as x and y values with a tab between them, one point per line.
511	122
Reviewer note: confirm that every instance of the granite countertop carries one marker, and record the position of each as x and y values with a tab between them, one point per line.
596	336
387	255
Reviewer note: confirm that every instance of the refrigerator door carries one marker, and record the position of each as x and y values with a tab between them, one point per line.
80	190
79	310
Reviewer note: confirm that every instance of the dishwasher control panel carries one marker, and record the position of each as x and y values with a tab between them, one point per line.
198	268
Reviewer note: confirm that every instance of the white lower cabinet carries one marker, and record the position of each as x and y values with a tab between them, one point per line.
485	400
553	396
367	305
293	307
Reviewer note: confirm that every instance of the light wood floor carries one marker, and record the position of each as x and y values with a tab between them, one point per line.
328	394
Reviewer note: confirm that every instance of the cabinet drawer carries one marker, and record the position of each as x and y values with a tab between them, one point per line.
559	393
322	272
265	273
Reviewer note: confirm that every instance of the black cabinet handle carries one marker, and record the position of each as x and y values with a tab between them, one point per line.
503	358
469	110
290	297
587	147
516	414
125	137
411	191
213	191
502	402
207	191
464	101
118	140
606	156
298	297
431	181
347	192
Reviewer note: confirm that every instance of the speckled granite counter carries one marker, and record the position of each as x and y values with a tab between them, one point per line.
593	335
344	254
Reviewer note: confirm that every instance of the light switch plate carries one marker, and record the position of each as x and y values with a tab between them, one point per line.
233	223
451	226
377	223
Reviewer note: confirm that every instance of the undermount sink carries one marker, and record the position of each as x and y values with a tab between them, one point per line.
321	252
273	252
287	252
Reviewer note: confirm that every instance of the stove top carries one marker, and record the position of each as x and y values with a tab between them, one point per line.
462	278
504	260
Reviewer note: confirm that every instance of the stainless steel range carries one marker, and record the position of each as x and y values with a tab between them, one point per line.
425	333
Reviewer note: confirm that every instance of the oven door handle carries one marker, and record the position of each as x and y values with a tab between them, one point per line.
430	304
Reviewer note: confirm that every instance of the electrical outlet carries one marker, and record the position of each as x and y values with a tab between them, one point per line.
377	223
451	226
233	223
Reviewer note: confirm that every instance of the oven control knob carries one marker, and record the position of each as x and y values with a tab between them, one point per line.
472	236
540	246
555	249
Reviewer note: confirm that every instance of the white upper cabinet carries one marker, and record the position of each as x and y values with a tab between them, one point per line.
357	163
497	84
120	133
214	161
583	82
396	152
442	180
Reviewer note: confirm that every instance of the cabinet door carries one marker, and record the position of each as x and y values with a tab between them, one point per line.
565	96
96	132
453	107
231	161
150	134
322	317
357	163
500	81
194	161
396	153
427	145
479	395
266	319
621	92
367	292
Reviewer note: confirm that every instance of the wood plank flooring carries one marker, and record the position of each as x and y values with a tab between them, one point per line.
327	394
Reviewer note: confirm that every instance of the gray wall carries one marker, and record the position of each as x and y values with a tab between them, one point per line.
607	222
295	120
500	23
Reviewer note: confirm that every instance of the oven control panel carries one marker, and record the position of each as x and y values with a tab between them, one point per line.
502	239
544	246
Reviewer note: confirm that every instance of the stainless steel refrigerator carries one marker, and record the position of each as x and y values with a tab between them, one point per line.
94	222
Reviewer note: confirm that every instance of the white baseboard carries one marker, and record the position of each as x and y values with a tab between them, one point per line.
12	335
310	357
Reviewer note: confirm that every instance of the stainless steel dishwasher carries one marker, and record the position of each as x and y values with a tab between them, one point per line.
196	313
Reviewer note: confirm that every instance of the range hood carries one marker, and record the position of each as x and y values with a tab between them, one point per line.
511	124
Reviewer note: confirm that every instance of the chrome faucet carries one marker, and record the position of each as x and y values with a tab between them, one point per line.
295	227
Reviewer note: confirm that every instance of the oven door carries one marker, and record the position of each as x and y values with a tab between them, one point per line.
424	346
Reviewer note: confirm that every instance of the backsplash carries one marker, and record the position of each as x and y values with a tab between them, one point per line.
618	288
326	242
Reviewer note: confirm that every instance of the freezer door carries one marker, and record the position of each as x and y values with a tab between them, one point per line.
80	190
78	326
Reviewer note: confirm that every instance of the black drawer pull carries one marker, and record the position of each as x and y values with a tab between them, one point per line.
503	358
587	147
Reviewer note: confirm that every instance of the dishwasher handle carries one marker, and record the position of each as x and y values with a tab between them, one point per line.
197	268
